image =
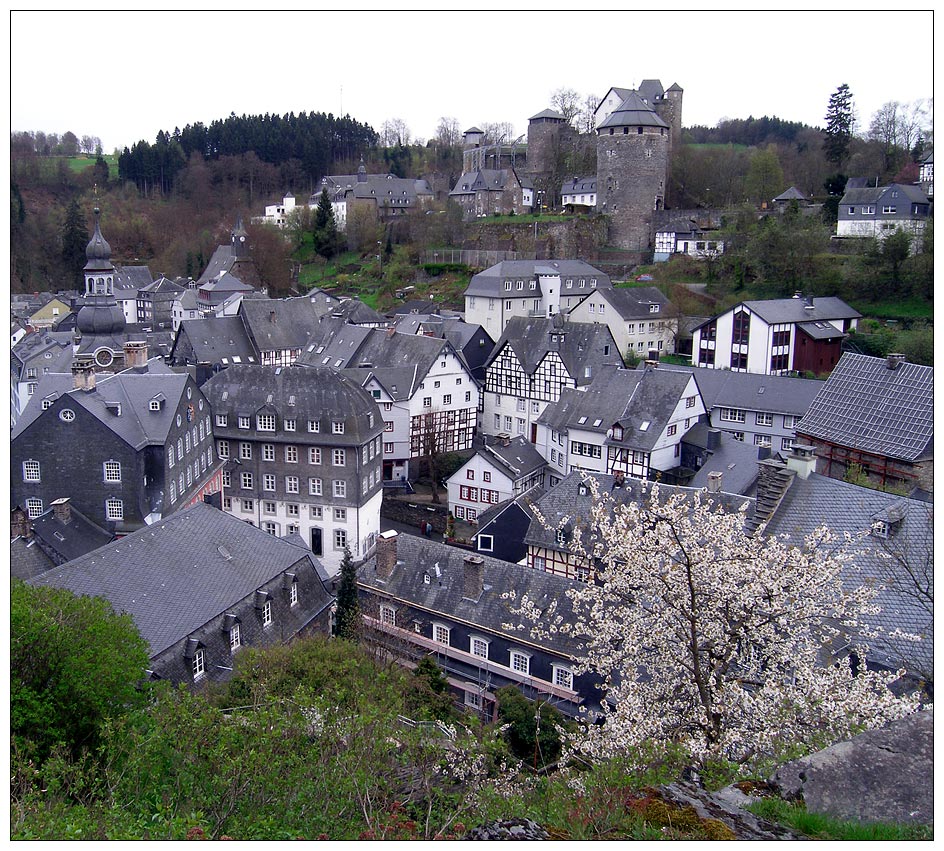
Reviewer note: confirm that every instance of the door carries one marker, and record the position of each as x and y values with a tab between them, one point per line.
316	545
534	432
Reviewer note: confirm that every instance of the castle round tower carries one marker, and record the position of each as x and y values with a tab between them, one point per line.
632	167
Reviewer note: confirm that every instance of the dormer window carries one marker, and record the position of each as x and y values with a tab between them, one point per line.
617	432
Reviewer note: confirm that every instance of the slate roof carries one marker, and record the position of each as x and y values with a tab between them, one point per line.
843	507
872	194
27	559
175	576
295	392
218	339
867	406
734	459
490	282
276	324
131	277
380	187
581	347
629	397
777	311
224	282
524	502
579	184
494	179
633	112
163	286
547	113
72	539
565	506
133	391
416	556
35	345
791	194
399	382
633	302
776	394
517	459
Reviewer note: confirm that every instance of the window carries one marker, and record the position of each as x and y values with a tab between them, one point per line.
31	471
473	699
199	664
337	427
672	429
314	487
314	454
234	638
245	481
732	415
271	528
787	443
478	647
388	614
388	449
112	471
447	399
338	457
520	662
486	476
221	420
563	677
248	505
314	426
762	440
468	493
291	454
265	422
245	451
244	422
470	474
340	539
790	422
227	479
222	449
427	401
889	209
289	425
340	515
34	507
268	507
441	634
339	488
267	613
764	419
114	509
291	484
498	421
268	481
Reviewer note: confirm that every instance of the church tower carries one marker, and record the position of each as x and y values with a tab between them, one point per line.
632	168
100	313
239	240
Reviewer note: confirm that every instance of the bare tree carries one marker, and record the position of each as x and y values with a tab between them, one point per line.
498	132
394	131
587	115
567	103
448	133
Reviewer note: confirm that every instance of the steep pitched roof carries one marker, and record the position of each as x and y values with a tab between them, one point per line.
580	345
843	507
279	323
218	339
547	113
791	194
175	576
640	400
633	302
867	405
518	458
490	282
632	112
781	311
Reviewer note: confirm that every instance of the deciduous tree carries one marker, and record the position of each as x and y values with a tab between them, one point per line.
706	636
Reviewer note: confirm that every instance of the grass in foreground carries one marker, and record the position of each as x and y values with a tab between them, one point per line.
818	826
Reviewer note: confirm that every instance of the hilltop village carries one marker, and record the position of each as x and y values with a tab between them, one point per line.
217	459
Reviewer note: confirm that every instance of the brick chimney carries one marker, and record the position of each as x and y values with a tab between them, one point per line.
20	526
803	460
773	479
714	481
473	571
136	354
62	510
895	360
386	554
713	440
83	374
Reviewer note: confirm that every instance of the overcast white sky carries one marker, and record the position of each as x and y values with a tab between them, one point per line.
123	76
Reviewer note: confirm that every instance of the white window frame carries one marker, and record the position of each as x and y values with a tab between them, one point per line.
34	507
293	594
388	614
29	467
764	419
338	457
440	632
199	664
520	662
562	676
476	643
291	484
267	614
234	639
111	471
114	509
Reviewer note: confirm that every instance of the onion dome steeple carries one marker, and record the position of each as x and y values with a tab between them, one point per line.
98	251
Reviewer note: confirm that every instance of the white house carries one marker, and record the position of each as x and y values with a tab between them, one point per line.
776	336
277	214
580	193
185	307
879	211
641	319
627	421
503	468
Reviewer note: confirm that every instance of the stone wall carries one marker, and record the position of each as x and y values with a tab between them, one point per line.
415	513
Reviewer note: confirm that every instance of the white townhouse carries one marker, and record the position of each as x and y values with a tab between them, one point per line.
528	289
628	421
641	319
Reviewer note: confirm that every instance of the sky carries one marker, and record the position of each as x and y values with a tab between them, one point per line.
124	76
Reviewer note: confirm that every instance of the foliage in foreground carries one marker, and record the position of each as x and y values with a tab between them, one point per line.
714	639
818	826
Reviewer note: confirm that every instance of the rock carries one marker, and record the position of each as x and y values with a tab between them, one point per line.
726	807
881	775
517	829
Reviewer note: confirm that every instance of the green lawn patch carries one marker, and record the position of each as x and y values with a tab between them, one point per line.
819	826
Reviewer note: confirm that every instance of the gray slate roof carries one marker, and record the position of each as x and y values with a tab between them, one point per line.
777	311
843	507
70	540
791	194
131	277
35	346
494	179
567	507
633	302
776	394
416	556
629	397
581	347
547	113
178	574
133	391
276	324
27	559
632	112
579	184
871	195
868	406
219	339
517	459
734	459
490	282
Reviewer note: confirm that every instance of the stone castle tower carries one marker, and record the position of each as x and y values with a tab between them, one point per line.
633	145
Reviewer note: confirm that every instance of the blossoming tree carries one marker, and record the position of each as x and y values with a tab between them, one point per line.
729	644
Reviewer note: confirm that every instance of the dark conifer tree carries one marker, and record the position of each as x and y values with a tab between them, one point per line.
840	119
348	614
75	239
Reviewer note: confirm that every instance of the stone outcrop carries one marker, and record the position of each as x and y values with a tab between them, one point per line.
882	775
517	829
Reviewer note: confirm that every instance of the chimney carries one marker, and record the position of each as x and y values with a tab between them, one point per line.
386	554
714	439
803	460
763	453
136	354
472	577
83	374
619	477
271	316
714	481
61	510
895	360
